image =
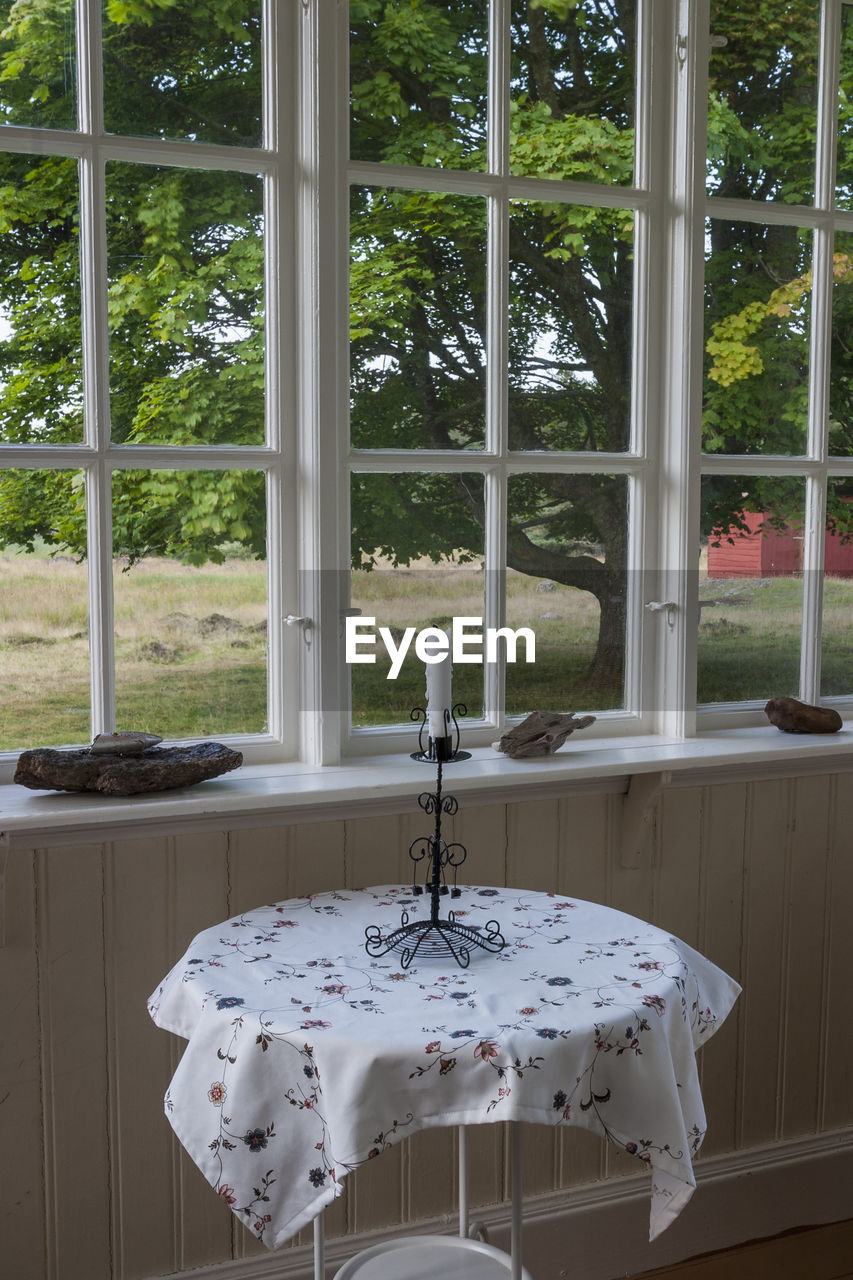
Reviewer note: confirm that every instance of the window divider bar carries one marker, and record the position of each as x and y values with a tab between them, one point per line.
730	209
321	251
675	710
101	604
812	603
494	674
283	642
90	78
827	104
465	460
96	379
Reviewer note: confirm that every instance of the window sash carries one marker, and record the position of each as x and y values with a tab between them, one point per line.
96	455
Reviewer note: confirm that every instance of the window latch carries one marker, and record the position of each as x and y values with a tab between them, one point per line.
292	620
669	607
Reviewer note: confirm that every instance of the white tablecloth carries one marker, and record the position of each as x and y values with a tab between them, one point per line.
306	1058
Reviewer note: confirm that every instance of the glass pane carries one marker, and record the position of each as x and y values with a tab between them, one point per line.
185	258
570	306
836	674
750	588
418	76
41	390
757	318
184	71
844	166
38	69
567	581
572	93
190	602
762	106
841	350
417	557
417	319
44	639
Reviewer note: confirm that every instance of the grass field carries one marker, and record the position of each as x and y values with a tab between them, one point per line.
191	645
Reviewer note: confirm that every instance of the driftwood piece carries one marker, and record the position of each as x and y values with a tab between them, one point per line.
541	734
158	769
792	716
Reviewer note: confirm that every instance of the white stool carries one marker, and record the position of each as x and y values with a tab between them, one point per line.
451	1257
425	1257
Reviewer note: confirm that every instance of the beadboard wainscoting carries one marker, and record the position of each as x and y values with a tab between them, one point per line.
757	874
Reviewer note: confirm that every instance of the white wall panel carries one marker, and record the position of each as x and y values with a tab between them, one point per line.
757	875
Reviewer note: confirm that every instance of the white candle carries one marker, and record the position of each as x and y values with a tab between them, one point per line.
438	693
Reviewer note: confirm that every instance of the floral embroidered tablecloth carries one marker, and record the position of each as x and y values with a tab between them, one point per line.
306	1058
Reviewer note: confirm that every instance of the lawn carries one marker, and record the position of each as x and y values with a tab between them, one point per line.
191	645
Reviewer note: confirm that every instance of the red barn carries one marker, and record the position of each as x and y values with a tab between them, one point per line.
772	553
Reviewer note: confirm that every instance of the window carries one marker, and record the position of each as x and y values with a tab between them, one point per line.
143	399
527	311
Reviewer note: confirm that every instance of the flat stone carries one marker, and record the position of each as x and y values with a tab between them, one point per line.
158	769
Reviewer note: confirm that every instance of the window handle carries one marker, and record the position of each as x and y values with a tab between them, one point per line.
664	606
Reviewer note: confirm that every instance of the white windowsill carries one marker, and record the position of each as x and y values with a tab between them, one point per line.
269	794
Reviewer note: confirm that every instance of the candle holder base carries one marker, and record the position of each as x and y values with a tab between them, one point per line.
434	937
425	758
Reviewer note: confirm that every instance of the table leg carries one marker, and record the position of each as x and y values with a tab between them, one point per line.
463	1182
515	1224
320	1247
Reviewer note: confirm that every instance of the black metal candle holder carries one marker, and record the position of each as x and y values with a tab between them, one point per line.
437	935
445	749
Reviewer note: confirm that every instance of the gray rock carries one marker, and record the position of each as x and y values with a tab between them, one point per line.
158	769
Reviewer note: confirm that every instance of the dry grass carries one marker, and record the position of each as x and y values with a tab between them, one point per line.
191	644
190	649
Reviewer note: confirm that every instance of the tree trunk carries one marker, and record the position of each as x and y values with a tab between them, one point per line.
607	671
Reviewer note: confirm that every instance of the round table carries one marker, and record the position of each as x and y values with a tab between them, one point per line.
307	1058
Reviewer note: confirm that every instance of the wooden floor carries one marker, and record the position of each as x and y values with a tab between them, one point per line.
819	1253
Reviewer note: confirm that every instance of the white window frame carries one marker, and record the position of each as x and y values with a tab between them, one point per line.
96	456
306	454
817	466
